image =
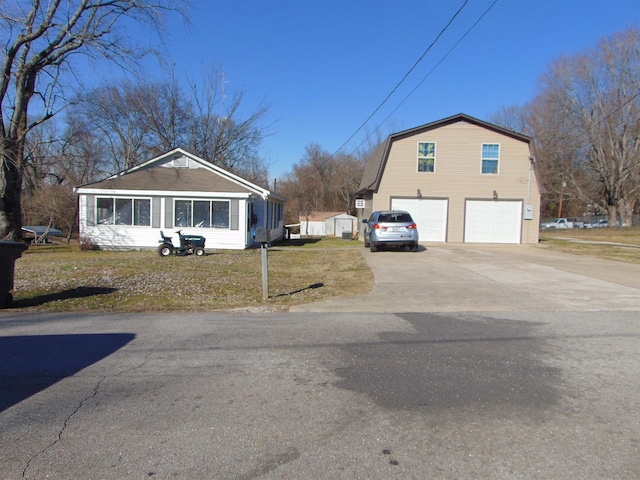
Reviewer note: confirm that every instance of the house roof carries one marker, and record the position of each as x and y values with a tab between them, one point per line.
374	167
171	179
152	176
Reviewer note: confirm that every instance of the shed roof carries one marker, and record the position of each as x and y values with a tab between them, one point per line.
319	216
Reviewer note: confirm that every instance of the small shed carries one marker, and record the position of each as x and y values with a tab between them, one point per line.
328	224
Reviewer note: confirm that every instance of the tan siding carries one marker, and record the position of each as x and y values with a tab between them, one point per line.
458	174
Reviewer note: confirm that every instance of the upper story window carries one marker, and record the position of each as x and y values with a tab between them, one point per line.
123	211
490	158
426	157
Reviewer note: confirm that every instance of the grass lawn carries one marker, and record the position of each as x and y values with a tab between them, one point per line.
621	244
65	278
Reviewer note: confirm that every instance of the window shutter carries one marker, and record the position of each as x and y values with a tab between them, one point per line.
91	210
168	212
155	212
235	214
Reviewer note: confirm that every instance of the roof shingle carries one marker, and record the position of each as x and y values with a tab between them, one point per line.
171	179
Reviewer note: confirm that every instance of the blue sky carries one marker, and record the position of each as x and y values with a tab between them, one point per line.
324	66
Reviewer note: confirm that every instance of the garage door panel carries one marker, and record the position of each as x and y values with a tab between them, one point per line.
429	214
492	221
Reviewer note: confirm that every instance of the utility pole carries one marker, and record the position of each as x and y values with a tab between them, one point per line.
564	184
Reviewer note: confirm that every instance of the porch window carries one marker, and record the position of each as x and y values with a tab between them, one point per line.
202	213
183	210
220	214
426	157
123	211
490	158
141	212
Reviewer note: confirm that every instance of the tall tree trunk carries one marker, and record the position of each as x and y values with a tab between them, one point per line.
11	203
626	212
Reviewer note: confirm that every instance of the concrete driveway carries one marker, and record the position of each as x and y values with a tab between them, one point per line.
500	362
476	278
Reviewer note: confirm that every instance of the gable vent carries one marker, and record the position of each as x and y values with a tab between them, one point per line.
181	162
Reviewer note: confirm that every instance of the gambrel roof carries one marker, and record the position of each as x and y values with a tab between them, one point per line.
375	166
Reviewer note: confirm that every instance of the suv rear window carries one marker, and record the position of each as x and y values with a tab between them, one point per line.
394	218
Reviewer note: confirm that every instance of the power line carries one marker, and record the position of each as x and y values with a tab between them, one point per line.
404	77
426	76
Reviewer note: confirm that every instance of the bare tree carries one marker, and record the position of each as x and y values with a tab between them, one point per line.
57	161
514	118
165	112
591	104
221	135
554	149
39	40
347	179
321	182
586	128
134	120
109	115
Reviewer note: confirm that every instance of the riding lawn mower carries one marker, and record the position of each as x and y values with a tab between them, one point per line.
189	245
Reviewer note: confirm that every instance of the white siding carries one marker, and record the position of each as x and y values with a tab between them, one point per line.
134	237
313	229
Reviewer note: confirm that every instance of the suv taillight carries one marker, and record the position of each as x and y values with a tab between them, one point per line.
376	226
412	226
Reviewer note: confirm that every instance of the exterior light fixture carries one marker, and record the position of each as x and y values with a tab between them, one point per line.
419	194
495	195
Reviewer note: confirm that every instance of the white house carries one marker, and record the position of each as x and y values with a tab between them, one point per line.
177	191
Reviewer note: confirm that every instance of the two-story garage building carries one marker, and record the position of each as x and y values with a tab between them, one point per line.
462	179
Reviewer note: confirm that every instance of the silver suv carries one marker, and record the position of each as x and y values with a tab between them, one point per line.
390	228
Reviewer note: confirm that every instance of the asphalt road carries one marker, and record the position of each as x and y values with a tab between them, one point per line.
477	362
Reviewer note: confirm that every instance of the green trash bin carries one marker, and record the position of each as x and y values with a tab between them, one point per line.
9	251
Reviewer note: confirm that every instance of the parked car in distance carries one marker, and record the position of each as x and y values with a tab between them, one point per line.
576	223
557	223
390	228
604	223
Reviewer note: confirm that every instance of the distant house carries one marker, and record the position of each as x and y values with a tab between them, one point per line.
462	179
327	224
177	191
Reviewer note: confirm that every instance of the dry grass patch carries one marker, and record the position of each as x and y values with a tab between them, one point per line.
68	279
622	244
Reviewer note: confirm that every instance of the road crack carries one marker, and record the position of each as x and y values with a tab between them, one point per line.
65	423
81	404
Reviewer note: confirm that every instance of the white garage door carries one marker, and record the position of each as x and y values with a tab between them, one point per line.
491	221
429	214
